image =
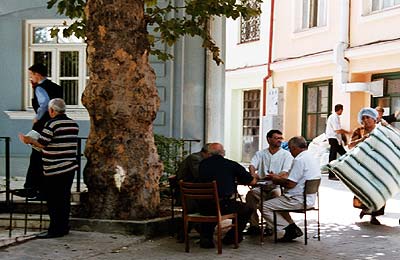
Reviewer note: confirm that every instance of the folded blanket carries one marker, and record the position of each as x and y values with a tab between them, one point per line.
371	170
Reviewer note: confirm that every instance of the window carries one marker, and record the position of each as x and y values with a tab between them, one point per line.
316	107
250	28
65	59
313	14
377	5
251	123
390	100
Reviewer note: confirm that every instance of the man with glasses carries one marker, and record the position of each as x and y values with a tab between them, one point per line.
274	160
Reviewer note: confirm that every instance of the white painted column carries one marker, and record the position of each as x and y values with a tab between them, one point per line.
215	86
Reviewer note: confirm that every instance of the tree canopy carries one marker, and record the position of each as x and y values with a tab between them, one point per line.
169	27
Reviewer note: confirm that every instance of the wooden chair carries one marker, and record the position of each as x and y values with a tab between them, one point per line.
311	187
208	192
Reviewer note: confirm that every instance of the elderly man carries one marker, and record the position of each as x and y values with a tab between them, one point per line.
274	159
188	171
305	167
226	173
58	142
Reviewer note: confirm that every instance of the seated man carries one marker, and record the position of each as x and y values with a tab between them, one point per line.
274	159
188	171
226	173
305	167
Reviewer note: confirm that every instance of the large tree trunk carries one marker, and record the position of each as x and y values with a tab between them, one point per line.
123	167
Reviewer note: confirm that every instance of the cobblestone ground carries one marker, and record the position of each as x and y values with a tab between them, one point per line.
344	236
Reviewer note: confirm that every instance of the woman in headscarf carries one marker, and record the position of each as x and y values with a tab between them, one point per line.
367	117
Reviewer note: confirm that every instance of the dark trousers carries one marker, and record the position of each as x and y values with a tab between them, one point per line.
57	190
34	175
227	206
335	149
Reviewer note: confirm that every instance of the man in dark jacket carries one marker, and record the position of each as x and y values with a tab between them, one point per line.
227	173
43	91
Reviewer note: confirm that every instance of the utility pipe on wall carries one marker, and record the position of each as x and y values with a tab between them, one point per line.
340	59
269	73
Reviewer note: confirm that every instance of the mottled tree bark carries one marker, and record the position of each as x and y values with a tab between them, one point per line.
123	167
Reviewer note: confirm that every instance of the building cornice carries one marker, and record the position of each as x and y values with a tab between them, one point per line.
373	50
318	59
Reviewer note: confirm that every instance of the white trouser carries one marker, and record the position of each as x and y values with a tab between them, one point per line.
281	202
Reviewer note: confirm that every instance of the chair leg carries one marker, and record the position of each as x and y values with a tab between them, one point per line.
185	230
305	227
26	216
41	215
275	229
11	205
319	229
236	233
219	231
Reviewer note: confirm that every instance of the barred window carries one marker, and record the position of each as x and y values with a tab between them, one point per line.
250	28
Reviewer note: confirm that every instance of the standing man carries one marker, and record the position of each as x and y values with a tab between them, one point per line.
334	134
305	167
226	173
58	142
274	159
43	90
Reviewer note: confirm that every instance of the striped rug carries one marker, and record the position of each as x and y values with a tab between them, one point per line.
371	170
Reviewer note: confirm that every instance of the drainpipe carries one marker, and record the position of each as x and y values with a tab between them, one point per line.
342	63
269	72
374	88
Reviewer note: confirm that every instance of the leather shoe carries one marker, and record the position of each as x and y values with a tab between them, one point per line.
291	232
374	221
47	235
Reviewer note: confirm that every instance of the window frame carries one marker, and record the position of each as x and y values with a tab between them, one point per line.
320	15
306	86
55	49
385	77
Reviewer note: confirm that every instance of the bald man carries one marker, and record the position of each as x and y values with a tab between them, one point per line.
227	174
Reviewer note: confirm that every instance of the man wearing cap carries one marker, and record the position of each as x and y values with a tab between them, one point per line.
334	133
367	117
43	90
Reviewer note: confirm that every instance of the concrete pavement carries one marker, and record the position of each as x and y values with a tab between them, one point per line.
344	236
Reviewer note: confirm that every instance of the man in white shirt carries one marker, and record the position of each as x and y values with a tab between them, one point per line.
304	167
274	159
334	134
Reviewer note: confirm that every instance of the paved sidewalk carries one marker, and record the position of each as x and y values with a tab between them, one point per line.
344	236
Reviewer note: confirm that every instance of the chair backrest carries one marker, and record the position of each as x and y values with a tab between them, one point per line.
199	191
312	186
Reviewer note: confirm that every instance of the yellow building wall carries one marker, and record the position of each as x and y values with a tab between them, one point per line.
290	42
367	28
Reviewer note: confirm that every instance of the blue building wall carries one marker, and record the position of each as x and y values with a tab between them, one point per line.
180	82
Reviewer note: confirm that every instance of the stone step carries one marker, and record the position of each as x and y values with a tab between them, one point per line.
18	222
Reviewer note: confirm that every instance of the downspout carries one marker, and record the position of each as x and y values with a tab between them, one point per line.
374	88
269	72
342	72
